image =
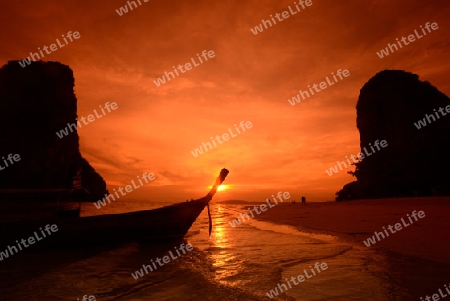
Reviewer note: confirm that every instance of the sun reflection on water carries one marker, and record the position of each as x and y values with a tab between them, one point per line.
225	262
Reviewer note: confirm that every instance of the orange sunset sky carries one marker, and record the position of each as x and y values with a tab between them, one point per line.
251	77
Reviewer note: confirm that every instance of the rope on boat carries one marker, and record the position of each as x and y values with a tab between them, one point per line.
210	220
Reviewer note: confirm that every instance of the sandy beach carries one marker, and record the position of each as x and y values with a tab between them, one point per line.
420	250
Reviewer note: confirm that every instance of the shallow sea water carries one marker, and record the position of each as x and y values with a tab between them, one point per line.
241	263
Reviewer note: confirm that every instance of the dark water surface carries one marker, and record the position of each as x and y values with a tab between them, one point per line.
242	263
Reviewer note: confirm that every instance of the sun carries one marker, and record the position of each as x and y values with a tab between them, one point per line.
222	187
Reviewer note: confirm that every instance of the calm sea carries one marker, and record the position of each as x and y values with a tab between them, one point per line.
241	263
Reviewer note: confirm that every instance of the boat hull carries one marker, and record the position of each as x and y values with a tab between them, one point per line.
165	223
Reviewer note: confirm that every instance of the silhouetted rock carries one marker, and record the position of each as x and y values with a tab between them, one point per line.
36	102
415	162
93	181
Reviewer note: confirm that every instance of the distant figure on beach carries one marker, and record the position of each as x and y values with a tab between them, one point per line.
303	200
268	200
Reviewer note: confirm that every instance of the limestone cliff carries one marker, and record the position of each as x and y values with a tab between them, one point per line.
36	102
416	161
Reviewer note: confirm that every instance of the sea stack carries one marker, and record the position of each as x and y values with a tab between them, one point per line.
35	103
416	162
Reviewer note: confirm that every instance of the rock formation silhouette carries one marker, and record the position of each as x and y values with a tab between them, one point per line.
416	161
36	102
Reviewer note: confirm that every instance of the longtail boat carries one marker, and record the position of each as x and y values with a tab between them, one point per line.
166	223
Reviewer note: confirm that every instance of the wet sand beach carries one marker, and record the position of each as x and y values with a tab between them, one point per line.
416	256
